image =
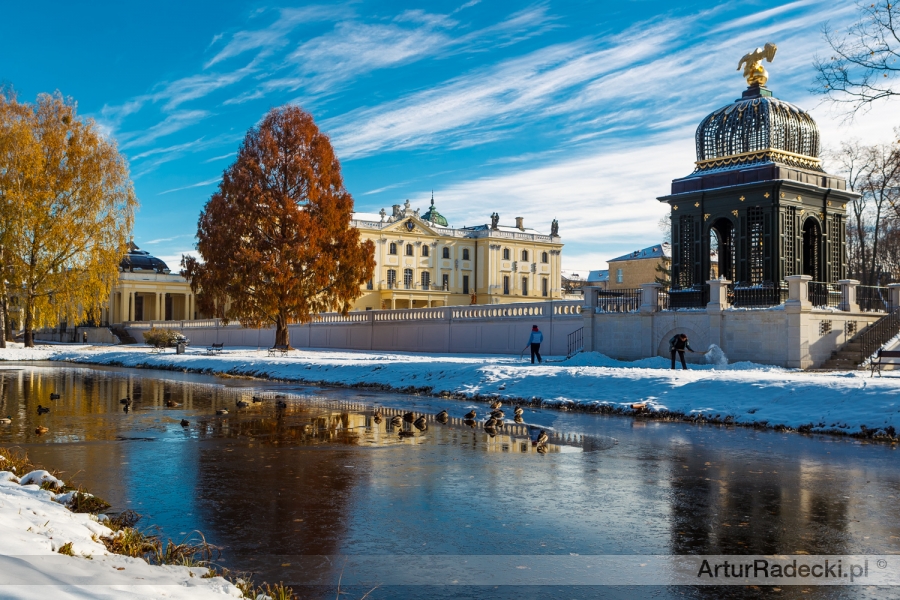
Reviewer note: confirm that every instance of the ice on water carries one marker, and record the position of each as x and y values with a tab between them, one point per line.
716	356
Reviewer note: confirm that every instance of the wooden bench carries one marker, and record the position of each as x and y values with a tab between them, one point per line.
278	348
215	348
884	357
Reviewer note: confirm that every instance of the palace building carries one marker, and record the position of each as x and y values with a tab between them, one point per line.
423	262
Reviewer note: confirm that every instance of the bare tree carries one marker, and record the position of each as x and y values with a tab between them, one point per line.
863	64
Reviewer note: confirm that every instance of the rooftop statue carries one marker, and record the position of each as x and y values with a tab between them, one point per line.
752	63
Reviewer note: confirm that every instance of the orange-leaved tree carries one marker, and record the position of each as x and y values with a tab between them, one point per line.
275	240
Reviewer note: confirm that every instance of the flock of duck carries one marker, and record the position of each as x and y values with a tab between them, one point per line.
491	425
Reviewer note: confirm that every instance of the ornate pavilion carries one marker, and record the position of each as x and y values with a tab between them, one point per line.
759	194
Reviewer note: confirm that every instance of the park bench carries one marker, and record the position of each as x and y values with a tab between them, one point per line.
278	348
884	357
215	348
159	348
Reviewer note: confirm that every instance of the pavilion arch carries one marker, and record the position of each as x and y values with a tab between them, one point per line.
812	248
723	230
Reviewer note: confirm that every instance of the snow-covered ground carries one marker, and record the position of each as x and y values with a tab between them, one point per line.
746	392
34	525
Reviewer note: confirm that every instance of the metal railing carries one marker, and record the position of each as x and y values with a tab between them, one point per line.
625	300
575	342
878	333
824	295
692	297
873	298
758	296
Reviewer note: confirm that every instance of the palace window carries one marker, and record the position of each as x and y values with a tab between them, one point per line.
506	254
446	252
407	278
409	250
370	285
465	284
619	276
524	255
426	280
424	249
524	286
465	254
445	282
392	249
544	258
545	283
506	284
392	277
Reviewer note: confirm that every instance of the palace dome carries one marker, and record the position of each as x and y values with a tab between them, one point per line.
758	128
140	260
434	216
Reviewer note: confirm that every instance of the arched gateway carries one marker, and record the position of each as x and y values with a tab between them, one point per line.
759	193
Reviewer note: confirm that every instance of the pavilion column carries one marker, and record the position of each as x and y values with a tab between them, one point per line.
187	306
157	299
130	306
123	306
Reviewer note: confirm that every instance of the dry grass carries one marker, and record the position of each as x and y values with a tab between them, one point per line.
82	502
66	549
16	460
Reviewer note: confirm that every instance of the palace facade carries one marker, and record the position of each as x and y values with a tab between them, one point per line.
423	262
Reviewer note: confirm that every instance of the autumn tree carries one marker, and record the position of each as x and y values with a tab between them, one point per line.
275	239
68	203
862	66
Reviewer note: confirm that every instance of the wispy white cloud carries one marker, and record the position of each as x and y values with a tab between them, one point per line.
168	239
222	157
193	185
171	124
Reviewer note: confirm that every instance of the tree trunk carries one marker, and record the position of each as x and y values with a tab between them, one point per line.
4	321
29	324
282	337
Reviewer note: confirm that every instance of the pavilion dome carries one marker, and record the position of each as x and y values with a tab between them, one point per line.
758	128
140	260
434	216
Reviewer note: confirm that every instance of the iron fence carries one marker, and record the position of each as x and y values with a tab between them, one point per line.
873	298
625	300
663	300
693	297
824	295
758	296
575	342
878	333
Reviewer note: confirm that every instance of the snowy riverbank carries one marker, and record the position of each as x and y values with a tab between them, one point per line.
34	526
743	393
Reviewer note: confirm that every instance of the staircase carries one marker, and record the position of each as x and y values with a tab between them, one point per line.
851	355
124	337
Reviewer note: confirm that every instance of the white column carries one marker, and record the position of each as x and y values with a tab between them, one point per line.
848	295
650	297
718	295
797	309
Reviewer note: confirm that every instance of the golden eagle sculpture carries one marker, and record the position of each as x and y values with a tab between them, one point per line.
752	64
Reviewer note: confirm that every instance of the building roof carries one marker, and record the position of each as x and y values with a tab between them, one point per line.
140	260
433	216
652	252
598	276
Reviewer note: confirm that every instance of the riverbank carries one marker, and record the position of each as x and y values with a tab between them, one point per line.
846	403
46	549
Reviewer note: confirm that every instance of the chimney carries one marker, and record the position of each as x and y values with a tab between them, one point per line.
520	223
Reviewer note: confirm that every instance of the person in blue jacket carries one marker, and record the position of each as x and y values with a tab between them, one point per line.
535	340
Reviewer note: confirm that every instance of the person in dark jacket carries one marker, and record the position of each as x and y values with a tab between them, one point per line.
679	343
535	341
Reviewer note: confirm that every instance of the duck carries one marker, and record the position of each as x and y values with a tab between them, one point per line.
409	417
396	421
519	420
542	449
442	417
499	424
405	434
125	401
185	422
54	396
519	411
42	410
490	431
7	420
256	399
222	411
541	438
470	415
279	396
280	404
171	403
498	414
490	423
40	430
421	424
242	404
470	422
496	405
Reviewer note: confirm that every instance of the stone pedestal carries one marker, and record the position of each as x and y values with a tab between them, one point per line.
848	295
797	308
650	298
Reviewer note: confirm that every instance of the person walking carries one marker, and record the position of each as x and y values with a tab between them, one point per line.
679	343
535	341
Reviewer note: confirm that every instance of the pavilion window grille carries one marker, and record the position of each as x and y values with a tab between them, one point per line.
836	238
756	242
686	251
789	249
756	125
812	240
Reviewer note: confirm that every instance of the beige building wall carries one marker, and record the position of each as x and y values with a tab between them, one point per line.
628	274
148	296
420	264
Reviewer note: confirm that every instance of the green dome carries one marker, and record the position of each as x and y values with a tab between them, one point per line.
434	216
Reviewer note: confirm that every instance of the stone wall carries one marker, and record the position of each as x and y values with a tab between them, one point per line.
479	329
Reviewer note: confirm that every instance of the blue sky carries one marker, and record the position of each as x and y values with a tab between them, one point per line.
580	111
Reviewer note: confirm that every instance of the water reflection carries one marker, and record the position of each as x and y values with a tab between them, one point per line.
325	476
